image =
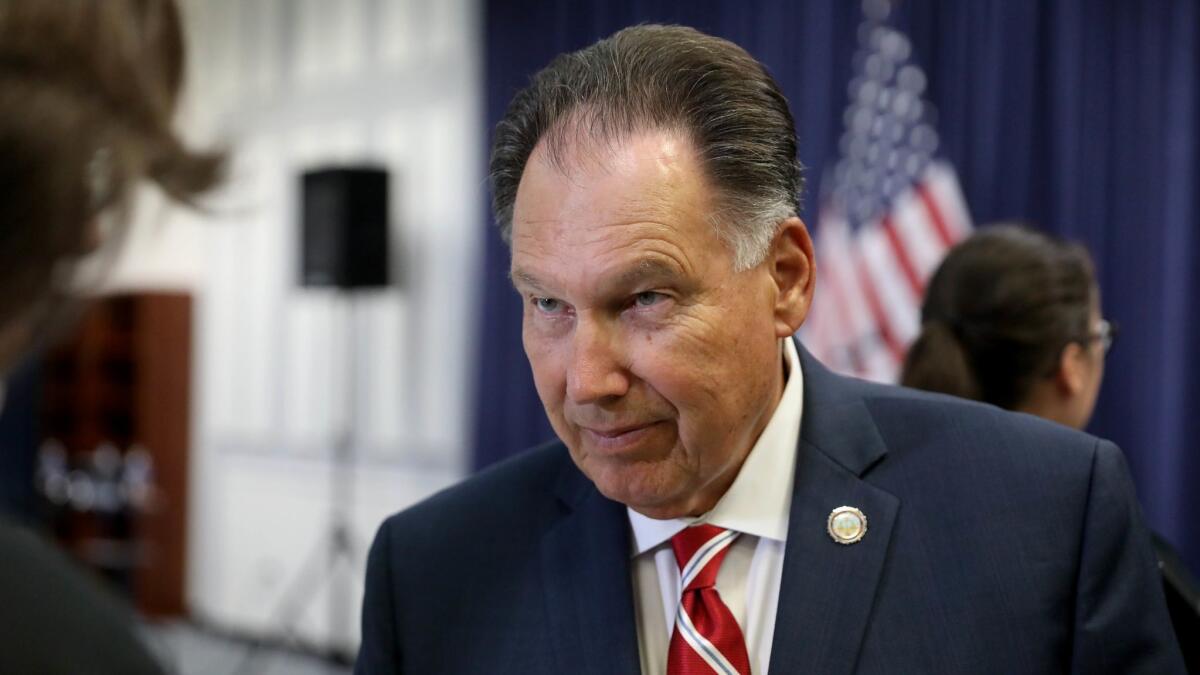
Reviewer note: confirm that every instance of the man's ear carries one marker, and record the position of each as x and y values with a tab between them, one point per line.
1069	376
793	269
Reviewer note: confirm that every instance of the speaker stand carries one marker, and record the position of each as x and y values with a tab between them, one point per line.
338	549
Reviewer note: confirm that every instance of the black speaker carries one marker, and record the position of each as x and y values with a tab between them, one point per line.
344	227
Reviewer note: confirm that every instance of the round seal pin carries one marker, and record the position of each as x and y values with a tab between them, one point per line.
846	525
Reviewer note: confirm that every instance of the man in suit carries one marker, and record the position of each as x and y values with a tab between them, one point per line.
717	501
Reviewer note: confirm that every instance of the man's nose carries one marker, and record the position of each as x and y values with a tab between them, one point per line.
596	371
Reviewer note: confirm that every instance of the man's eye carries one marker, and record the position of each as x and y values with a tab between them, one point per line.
548	305
647	298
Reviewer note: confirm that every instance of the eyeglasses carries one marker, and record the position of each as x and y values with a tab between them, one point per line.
1106	332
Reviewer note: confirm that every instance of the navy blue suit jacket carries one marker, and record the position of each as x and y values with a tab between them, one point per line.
997	543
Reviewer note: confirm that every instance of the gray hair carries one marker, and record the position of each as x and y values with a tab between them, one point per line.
665	77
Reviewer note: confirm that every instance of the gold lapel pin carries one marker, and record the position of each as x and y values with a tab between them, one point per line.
847	525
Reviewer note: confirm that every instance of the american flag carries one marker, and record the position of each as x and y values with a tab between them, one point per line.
890	209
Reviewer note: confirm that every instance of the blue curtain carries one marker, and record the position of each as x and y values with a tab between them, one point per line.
1078	116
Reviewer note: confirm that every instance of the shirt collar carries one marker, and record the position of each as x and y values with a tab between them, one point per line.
760	498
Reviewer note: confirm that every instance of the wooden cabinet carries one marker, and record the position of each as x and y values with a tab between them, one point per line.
116	394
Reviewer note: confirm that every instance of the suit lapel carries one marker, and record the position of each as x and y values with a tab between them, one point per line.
589	588
828	588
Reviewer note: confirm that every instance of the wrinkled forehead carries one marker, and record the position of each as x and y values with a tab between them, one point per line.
599	205
639	173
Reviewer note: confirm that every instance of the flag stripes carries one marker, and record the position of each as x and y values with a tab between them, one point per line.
890	212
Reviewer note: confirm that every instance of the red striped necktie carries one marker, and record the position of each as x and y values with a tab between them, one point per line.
707	638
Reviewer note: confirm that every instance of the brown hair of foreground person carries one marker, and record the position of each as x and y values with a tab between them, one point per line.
87	95
1011	317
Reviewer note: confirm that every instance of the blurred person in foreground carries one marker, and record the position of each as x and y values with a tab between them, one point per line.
87	93
1012	317
717	501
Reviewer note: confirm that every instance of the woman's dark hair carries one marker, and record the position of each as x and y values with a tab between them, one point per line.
87	95
997	314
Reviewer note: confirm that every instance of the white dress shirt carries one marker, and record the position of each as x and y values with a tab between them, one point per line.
756	505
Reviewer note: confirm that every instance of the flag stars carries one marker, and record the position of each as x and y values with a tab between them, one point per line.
889	138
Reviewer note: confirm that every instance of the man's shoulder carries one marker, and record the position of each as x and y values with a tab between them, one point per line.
919	427
911	413
983	443
517	493
925	422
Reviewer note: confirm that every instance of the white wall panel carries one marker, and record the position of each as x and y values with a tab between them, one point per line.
396	33
330	40
263	21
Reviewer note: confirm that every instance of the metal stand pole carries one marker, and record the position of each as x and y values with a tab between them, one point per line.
338	547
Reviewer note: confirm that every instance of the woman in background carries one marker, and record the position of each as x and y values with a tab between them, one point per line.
87	94
1012	318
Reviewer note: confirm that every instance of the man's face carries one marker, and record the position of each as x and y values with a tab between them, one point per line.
657	363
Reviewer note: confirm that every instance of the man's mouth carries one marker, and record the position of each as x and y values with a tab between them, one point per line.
621	438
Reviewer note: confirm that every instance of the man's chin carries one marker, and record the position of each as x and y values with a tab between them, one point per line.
652	488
